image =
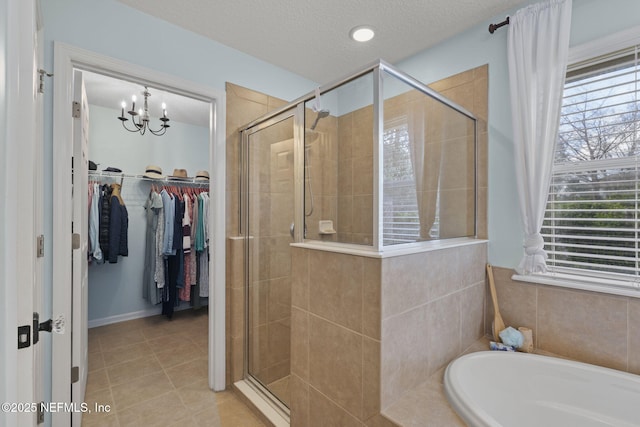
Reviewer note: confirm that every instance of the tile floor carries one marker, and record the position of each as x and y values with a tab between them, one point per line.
153	372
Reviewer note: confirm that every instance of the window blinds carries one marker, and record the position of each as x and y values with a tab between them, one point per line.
592	218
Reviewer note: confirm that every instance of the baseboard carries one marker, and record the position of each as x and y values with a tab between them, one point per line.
124	317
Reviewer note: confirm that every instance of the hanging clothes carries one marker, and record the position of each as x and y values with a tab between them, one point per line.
185	292
169	220
95	253
105	215
118	226
153	210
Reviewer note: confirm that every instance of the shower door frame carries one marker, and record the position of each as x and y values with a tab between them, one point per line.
297	113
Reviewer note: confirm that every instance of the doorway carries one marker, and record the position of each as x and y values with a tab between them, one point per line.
68	59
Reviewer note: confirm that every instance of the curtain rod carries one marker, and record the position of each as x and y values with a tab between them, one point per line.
494	27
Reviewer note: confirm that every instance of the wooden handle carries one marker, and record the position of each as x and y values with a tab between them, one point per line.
492	287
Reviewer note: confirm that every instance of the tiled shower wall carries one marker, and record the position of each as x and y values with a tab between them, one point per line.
367	330
432	310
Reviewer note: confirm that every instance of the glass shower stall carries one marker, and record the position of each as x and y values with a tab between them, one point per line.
374	162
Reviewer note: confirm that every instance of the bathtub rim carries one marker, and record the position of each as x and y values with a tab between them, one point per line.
474	415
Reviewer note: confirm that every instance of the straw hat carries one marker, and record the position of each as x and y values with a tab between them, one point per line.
153	172
202	176
179	174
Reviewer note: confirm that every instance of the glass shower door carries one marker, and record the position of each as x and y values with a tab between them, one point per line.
269	201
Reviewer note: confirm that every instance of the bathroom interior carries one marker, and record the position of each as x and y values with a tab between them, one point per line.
351	315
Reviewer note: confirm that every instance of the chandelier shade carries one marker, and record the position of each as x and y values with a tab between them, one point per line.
140	118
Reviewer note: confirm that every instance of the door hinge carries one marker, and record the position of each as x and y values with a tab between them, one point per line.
40	246
42	73
75	241
75	374
40	413
75	110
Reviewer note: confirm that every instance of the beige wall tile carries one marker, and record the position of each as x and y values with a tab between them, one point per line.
412	280
363	175
279	338
300	343
370	377
362	132
345	214
339	378
323	412
279	299
404	284
453	81
335	288
237	312
299	402
634	336
404	353
371	297
362	222
472	300
345	136
300	278
588	327
237	348
472	261
443	331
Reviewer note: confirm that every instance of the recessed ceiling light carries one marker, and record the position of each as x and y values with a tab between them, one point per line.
362	33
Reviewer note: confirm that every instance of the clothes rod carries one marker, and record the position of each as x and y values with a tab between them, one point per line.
189	181
494	27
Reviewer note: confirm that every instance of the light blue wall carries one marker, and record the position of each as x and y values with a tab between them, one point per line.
116	289
110	28
591	19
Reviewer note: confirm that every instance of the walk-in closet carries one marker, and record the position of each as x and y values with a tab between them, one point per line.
148	238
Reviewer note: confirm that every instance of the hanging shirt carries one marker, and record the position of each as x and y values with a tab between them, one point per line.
118	230
169	209
200	242
159	274
186	226
105	213
153	207
94	225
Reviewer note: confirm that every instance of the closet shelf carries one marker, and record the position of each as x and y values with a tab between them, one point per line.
166	180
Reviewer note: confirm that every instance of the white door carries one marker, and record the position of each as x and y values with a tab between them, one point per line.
20	267
79	328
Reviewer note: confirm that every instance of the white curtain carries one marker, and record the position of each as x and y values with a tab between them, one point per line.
425	160
537	48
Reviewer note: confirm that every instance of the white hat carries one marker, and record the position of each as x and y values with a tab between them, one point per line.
153	172
202	176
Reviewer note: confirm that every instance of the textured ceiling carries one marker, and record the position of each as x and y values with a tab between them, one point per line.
311	38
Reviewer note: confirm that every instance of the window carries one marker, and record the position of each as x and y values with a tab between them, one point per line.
401	219
592	221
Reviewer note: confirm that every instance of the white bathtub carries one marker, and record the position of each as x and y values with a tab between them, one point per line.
494	388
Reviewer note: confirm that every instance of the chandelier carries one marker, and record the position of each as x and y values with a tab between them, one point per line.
142	123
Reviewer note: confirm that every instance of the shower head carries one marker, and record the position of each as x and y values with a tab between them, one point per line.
321	115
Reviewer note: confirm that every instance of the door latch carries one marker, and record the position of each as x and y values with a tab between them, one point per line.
56	326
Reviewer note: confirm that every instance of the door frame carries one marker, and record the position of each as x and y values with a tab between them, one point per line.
21	152
66	59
